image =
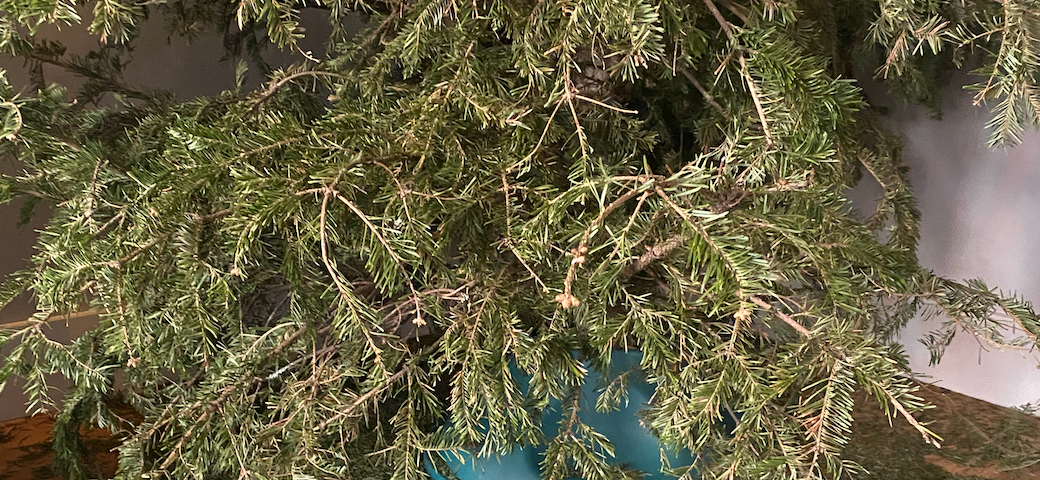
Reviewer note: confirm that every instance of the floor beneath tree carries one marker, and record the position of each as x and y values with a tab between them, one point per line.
982	441
25	450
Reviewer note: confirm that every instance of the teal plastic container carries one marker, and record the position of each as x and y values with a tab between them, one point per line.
634	445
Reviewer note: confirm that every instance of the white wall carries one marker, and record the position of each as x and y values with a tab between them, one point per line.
980	210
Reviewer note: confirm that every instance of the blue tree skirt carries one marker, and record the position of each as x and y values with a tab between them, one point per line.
634	446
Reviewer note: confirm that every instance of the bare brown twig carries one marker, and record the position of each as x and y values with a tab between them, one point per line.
726	26
753	90
567	298
656	252
708	97
782	316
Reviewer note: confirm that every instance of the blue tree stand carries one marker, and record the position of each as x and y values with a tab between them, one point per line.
634	445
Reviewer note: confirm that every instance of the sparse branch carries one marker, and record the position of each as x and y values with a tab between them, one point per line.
567	299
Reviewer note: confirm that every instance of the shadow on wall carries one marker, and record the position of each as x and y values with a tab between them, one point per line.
978	210
186	68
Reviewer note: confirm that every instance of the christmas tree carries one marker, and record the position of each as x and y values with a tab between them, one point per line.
449	223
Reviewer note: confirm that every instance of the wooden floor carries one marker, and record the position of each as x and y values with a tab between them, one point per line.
981	442
25	450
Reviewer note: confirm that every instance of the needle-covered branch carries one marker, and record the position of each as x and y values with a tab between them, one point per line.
427	238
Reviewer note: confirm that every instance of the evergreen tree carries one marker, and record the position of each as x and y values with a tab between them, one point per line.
354	264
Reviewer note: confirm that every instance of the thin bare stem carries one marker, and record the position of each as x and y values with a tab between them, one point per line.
726	26
755	98
604	105
782	316
708	97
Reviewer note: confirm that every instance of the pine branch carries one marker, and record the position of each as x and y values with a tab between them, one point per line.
928	436
439	185
222	398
